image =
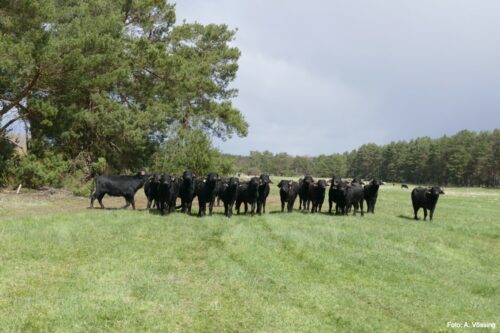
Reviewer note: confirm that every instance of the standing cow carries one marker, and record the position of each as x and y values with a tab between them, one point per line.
337	195
371	194
264	189
317	195
355	196
206	191
118	186
288	193
151	189
425	198
248	193
229	195
307	181
187	191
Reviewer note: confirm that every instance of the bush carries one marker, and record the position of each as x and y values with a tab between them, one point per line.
7	150
35	172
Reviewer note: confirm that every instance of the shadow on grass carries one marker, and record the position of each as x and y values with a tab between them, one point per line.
406	217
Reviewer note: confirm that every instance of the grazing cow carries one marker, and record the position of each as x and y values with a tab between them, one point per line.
187	191
355	197
404	186
151	189
229	195
337	194
371	193
163	198
248	193
425	198
221	186
288	193
206	190
118	186
264	189
317	195
304	192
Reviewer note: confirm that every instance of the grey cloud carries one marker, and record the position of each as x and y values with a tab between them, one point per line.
327	76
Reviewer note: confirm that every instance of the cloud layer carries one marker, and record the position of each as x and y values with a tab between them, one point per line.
327	76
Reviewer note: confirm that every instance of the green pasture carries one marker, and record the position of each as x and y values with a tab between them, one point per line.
65	268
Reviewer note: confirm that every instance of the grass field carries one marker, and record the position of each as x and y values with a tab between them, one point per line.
67	268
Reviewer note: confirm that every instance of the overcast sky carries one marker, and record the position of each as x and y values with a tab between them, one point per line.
328	76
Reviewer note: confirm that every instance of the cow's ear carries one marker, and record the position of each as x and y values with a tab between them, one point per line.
441	192
280	183
270	181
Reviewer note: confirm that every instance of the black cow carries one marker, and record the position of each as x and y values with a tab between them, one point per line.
337	194
288	193
206	191
355	196
175	186
371	193
221	186
304	192
425	198
163	198
118	186
317	195
404	186
264	189
187	191
151	189
248	193
229	195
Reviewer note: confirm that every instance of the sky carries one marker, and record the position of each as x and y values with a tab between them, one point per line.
321	77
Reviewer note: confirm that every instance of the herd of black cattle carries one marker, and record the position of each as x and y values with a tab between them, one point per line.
162	191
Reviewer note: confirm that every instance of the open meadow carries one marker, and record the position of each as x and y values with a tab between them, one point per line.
67	268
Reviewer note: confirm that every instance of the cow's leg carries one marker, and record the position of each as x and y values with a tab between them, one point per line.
425	213
431	214
132	201
211	206
415	210
283	206
246	207
99	199
361	207
264	207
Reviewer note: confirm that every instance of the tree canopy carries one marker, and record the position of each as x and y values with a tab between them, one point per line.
113	79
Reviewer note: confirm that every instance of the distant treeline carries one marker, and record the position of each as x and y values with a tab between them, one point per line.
466	159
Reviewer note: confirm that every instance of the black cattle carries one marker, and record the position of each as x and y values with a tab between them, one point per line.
206	191
174	193
151	189
404	186
304	192
229	195
248	193
163	198
355	197
264	189
288	193
317	195
187	191
337	194
118	186
221	186
425	198
371	193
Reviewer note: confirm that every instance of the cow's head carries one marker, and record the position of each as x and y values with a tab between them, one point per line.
212	178
435	190
233	182
165	180
264	179
375	181
254	182
188	175
321	183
